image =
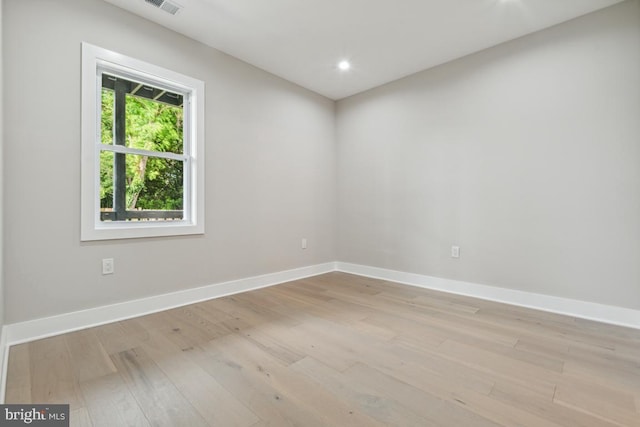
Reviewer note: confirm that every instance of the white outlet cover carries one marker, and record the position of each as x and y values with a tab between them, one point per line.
108	266
455	251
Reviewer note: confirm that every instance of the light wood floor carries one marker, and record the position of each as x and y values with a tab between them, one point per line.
338	350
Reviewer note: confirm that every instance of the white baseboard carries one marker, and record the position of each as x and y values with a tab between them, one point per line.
582	309
17	333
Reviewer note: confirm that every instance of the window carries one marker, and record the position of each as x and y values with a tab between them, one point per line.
142	149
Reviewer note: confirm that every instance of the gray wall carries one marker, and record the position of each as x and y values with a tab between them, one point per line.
526	155
270	158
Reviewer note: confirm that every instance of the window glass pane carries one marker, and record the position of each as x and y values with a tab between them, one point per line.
106	180
154	118
154	183
106	128
154	188
153	126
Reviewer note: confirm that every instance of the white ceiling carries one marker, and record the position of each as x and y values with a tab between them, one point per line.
303	40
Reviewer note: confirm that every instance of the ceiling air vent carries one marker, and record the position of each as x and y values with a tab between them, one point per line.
165	5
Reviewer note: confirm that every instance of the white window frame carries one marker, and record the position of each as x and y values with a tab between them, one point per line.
96	60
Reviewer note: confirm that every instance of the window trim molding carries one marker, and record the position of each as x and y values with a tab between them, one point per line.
95	59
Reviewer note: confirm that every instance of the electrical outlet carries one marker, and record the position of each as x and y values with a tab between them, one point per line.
303	244
455	251
108	266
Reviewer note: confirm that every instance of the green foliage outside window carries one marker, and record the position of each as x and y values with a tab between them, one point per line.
151	182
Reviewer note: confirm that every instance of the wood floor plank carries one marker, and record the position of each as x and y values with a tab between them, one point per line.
441	375
262	368
543	346
338	349
608	404
406	331
562	327
445	305
160	401
183	327
88	358
110	403
502	413
261	398
338	356
383	408
207	396
603	357
52	377
340	311
262	298
540	405
507	368
461	326
614	377
190	323
18	375
544	361
80	418
382	333
435	410
120	336
262	338
236	307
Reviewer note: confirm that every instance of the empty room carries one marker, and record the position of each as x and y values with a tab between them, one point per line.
320	213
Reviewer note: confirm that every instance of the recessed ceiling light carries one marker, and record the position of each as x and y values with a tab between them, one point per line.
344	65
